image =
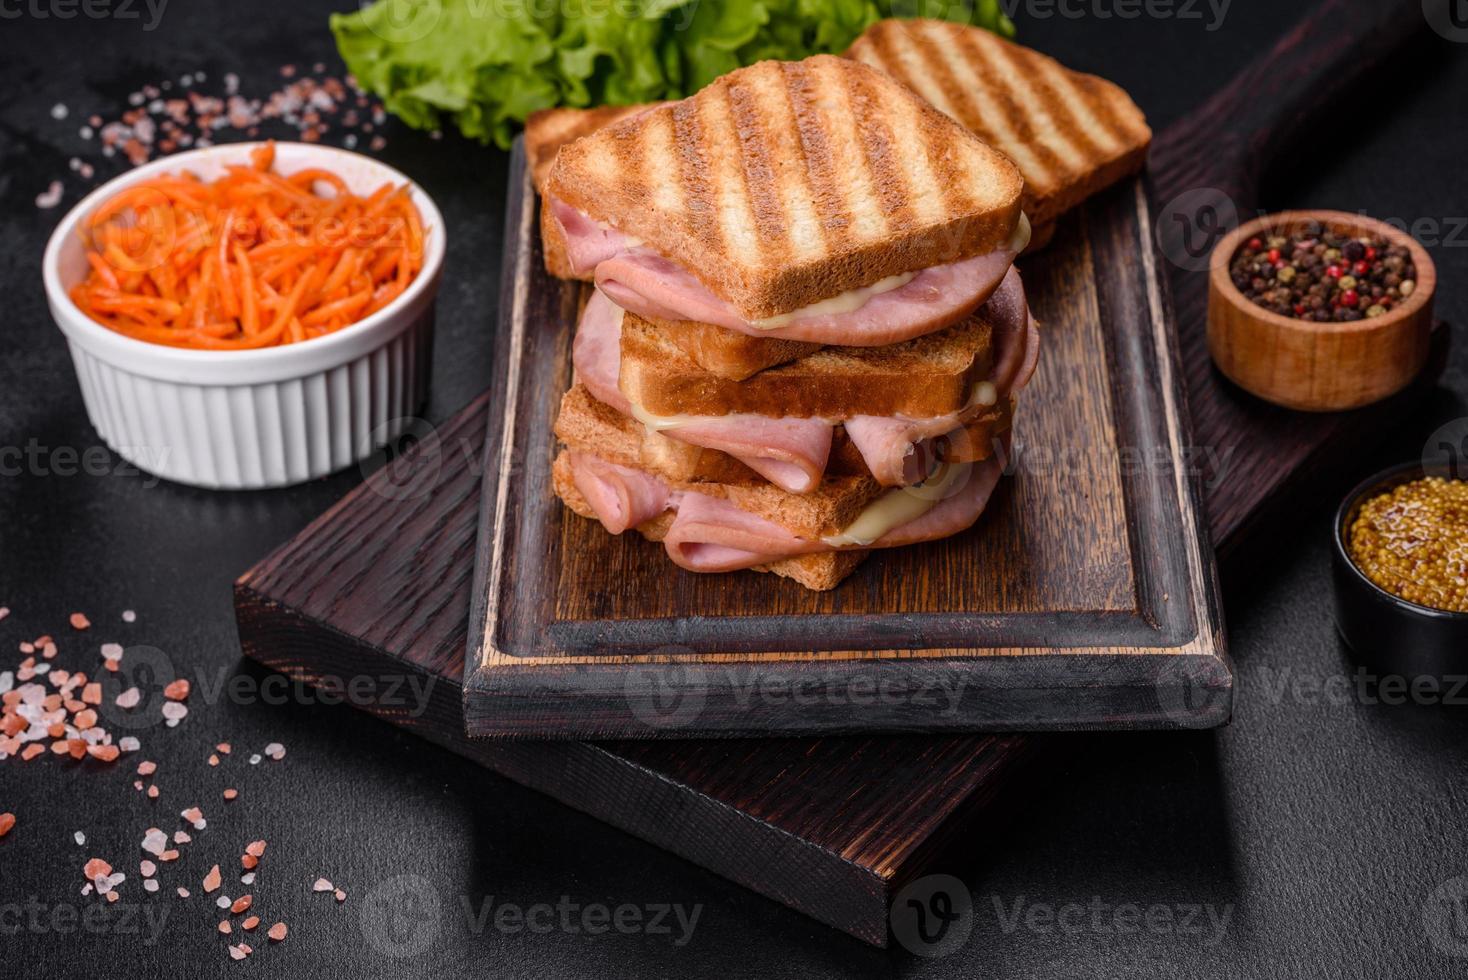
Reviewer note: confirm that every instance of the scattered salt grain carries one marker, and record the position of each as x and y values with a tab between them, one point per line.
341	896
50	197
222	901
180	837
129	744
58	111
79	837
129	698
174	712
277	932
183	892
155	842
247	878
321	885
212	879
148	868
150	884
128	616
275	751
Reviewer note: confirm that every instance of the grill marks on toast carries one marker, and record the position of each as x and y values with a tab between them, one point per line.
1070	133
782	184
830	210
699	214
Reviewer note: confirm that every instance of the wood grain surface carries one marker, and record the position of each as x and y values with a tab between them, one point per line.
1084	598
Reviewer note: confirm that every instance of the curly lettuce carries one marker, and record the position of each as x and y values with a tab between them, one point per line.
484	65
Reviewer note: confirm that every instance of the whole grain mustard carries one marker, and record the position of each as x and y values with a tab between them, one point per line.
1412	541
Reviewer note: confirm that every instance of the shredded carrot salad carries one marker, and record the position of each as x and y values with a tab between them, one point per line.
253	259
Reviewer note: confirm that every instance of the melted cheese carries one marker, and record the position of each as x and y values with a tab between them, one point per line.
900	506
661	423
847	302
1019	239
854	299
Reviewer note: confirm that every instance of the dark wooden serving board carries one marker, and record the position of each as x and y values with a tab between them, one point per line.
378	587
1085	598
831	827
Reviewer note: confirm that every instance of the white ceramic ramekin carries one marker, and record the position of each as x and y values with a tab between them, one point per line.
252	418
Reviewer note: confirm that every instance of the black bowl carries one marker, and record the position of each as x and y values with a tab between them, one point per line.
1388	632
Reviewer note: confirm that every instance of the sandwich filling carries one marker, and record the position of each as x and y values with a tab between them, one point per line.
792	453
889	311
710	534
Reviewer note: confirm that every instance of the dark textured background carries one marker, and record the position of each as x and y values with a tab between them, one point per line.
1319	824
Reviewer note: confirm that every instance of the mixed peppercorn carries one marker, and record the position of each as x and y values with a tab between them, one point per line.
1315	274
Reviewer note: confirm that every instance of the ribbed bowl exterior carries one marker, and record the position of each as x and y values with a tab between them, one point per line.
251	419
272	434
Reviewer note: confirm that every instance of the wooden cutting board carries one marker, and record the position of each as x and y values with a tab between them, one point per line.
1085	597
832	827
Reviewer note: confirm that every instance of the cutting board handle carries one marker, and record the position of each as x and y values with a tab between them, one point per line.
1228	141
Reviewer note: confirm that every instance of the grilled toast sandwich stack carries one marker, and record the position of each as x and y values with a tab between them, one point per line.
807	338
1070	134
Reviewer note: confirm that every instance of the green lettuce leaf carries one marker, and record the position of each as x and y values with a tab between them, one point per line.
484	65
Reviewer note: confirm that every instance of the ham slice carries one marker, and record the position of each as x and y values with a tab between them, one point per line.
710	534
789	452
792	453
651	285
622	497
899	451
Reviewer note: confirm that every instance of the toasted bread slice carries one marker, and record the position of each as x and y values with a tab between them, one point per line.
921	378
584	422
786	183
547	130
589	426
818	572
728	353
1071	134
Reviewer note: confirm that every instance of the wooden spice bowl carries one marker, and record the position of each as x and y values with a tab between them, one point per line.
1310	366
